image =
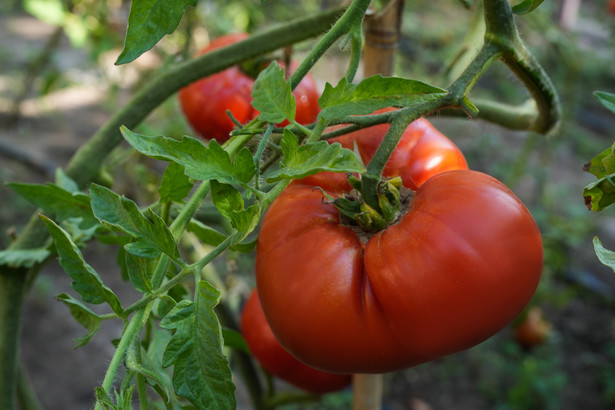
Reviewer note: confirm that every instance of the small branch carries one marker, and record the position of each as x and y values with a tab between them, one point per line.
513	117
502	32
130	332
353	14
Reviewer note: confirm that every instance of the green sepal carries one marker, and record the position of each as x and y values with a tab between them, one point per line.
354	182
388	200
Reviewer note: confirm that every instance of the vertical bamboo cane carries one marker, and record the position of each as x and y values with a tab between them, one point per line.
382	31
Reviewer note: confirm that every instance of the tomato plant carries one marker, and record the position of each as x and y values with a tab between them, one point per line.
277	361
465	248
459	261
206	101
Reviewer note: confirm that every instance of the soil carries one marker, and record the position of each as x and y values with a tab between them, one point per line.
573	370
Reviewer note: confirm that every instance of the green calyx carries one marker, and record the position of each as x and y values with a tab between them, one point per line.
366	216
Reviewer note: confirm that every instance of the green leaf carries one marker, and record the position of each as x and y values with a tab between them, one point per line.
23	258
54	200
139	272
234	339
206	234
65	182
606	99
85	279
210	236
84	315
526	6
148	22
230	204
272	95
605	256
103	398
121	214
175	184
600	194
599	164
303	160
201	372
199	161
374	93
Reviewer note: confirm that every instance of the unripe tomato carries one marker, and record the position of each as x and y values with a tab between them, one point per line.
205	102
533	330
277	361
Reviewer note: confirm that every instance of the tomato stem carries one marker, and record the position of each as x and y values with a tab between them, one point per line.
353	14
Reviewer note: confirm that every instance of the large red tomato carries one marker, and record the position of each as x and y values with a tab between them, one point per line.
277	361
204	102
459	265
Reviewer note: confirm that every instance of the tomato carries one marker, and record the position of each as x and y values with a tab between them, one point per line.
533	330
277	361
205	102
422	151
463	260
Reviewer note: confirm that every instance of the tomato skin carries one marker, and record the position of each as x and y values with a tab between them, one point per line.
277	361
457	268
204	102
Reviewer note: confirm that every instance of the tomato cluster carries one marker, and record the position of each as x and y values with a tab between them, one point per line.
463	260
204	103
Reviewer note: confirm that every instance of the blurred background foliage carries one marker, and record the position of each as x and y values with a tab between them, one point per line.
71	44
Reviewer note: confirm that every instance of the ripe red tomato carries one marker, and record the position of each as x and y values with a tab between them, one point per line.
458	266
277	361
422	151
204	102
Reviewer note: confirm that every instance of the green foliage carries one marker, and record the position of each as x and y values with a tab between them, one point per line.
229	202
85	279
23	258
84	315
308	159
513	379
374	93
200	162
120	214
606	99
61	203
272	95
526	6
187	358
605	256
600	194
201	372
175	184
148	22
